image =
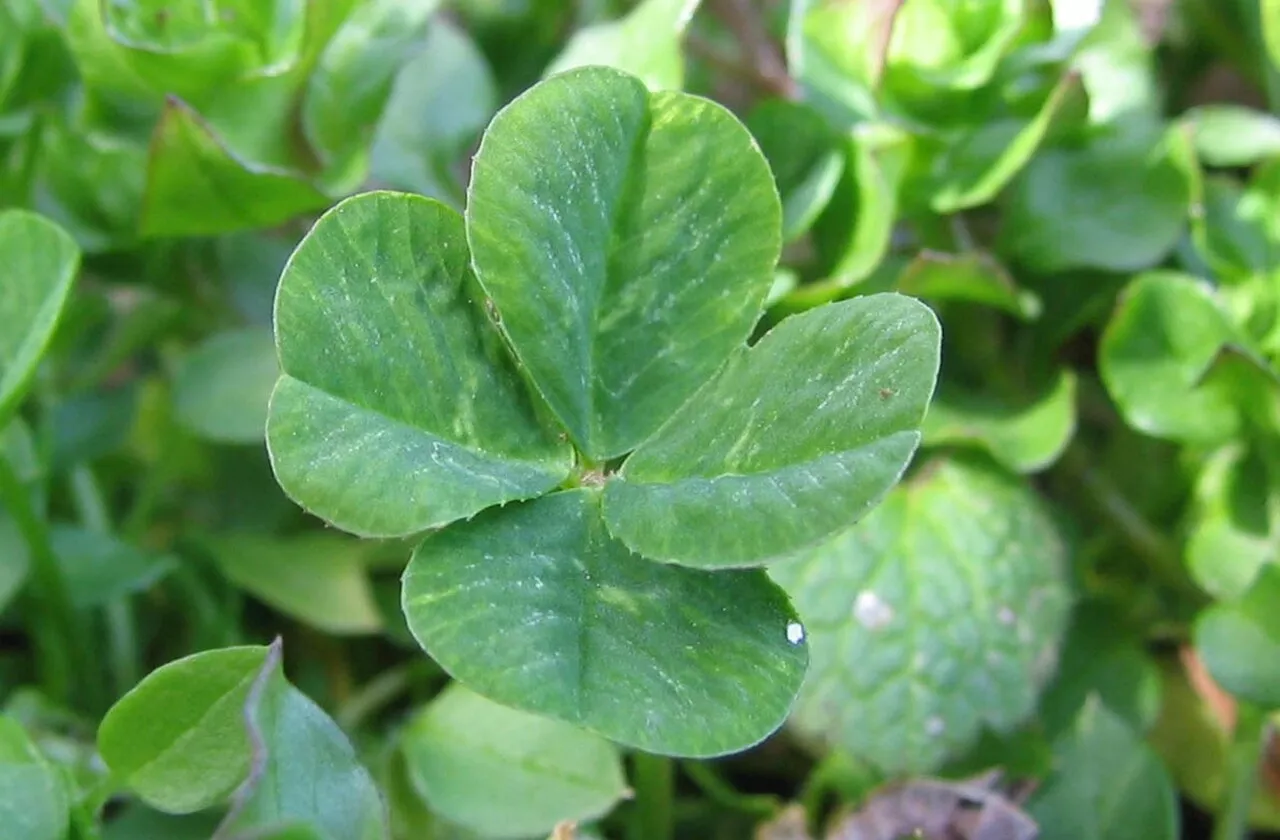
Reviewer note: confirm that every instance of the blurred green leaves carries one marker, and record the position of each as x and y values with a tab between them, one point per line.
204	118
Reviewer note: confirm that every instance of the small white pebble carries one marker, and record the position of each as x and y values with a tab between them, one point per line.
795	633
933	726
870	611
1076	15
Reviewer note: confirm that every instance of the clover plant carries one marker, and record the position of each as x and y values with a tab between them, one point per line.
559	386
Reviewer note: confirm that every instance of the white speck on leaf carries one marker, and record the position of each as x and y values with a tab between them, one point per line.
870	611
795	632
1006	616
934	726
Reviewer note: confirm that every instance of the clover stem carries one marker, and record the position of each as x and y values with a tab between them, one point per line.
654	779
122	636
56	628
722	793
374	696
1243	756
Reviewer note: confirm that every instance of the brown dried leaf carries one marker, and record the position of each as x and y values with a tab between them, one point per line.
935	809
791	824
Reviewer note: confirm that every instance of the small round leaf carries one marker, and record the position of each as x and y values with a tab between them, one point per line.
1111	207
178	739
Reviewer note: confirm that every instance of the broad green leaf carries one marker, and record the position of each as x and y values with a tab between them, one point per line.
974	277
1108	785
256	120
1104	658
1232	531
948	44
227	194
507	773
440	102
1162	340
145	49
644	43
1025	437
1239	641
854	232
971	171
39	264
98	567
34	801
940	614
792	442
320	579
90	181
1233	135
661	658
352	81
397	410
305	780
1113	206
836	52
178	739
220	390
627	239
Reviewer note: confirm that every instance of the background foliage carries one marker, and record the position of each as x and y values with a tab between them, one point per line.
1073	584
